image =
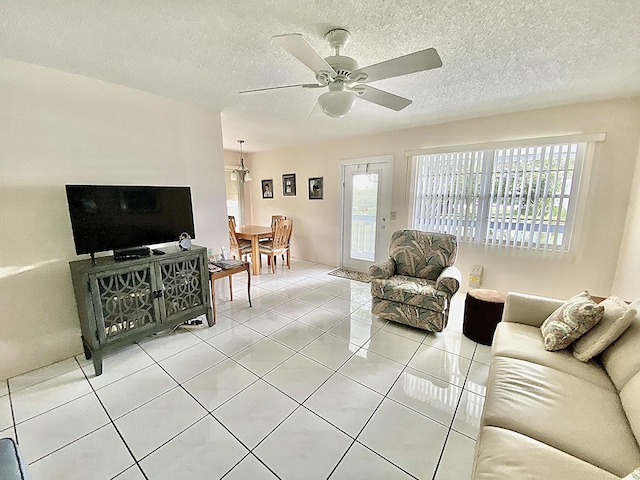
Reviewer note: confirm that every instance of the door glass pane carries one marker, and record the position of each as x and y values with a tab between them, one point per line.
363	215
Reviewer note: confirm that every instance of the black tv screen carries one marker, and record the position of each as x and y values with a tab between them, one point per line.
114	217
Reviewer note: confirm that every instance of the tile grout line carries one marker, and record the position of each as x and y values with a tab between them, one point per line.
211	413
84	435
250	454
444	446
94	391
208	413
261	377
355	439
135	460
13	413
300	404
179	384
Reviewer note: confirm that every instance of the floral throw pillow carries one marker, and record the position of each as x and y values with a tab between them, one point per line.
570	321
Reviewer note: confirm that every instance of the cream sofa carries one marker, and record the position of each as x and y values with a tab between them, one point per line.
550	416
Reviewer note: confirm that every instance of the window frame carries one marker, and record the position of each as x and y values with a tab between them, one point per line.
576	202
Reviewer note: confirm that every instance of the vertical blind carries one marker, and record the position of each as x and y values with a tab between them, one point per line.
520	198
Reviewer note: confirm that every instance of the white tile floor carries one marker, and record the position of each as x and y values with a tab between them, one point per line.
305	384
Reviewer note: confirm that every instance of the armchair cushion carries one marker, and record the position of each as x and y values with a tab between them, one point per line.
412	291
449	280
383	269
422	254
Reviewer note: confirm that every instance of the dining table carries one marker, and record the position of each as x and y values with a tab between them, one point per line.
255	233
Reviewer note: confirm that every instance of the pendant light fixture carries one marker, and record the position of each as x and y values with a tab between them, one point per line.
243	173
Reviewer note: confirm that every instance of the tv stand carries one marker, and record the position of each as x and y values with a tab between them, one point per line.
121	302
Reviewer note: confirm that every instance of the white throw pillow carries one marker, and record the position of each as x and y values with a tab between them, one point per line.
615	320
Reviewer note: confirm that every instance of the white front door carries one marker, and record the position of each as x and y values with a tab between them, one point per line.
366	205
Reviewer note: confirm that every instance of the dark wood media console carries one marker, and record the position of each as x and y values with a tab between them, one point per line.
120	302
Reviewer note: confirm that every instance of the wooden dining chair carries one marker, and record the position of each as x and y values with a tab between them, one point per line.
275	219
239	248
279	245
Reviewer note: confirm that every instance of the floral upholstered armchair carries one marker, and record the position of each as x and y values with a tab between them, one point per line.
415	284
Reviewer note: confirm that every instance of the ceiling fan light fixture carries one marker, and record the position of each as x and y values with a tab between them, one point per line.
337	103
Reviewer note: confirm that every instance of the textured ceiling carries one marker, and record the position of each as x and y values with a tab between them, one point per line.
498	56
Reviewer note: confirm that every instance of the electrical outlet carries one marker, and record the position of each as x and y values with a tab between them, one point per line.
393	215
475	277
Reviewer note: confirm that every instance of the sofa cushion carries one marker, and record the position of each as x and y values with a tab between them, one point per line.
422	254
630	398
516	340
529	309
563	411
504	454
621	359
413	291
615	320
570	321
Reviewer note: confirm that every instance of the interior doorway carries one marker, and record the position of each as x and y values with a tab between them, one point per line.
366	207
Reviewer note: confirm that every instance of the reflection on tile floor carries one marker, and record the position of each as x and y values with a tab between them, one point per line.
307	383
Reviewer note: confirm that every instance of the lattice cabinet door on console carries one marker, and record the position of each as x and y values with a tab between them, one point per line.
125	303
122	302
183	291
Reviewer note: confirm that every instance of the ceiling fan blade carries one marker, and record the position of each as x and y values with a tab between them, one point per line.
303	85
296	45
412	63
380	97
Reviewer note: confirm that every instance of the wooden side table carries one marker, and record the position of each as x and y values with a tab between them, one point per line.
227	272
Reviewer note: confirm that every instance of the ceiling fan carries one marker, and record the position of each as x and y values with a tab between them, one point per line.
345	80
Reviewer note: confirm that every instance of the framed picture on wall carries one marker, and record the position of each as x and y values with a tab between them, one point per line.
316	188
267	188
289	185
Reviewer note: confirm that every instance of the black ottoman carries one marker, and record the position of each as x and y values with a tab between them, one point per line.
482	313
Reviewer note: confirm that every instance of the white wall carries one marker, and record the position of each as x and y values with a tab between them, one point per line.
592	265
58	128
627	280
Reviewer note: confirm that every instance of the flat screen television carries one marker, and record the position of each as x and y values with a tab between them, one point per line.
116	217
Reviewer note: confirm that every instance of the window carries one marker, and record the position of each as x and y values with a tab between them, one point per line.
234	197
516	197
